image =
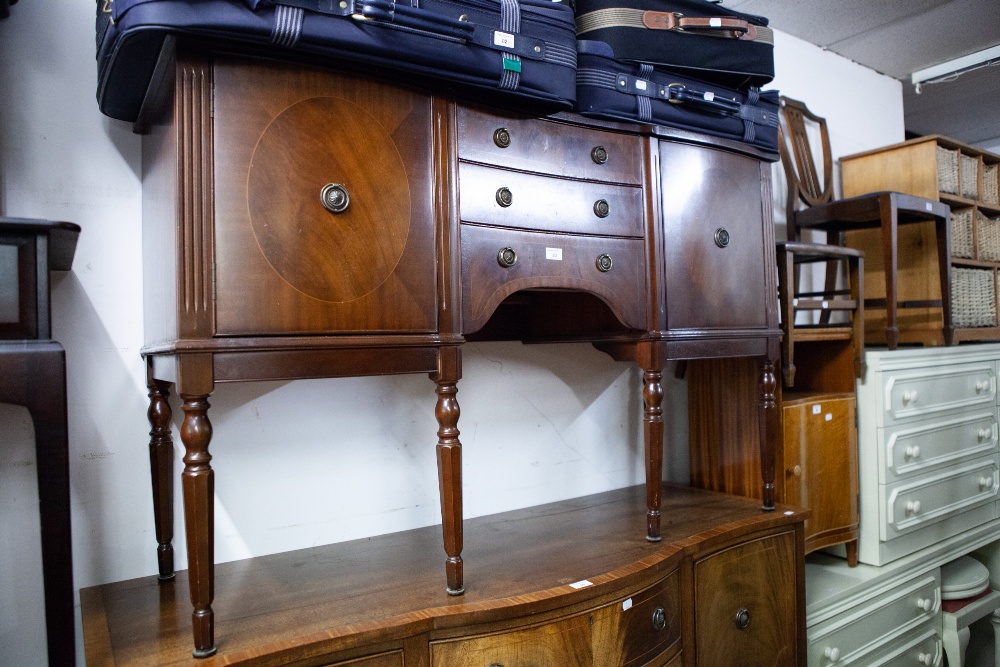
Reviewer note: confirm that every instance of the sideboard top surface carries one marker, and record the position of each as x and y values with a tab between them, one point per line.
518	563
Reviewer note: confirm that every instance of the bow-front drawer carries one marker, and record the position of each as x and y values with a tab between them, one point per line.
632	631
498	262
913	448
856	636
928	391
527	201
549	147
913	505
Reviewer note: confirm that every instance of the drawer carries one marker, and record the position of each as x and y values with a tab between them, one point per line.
930	444
746	610
621	634
639	629
549	147
548	204
928	391
855	635
913	505
550	261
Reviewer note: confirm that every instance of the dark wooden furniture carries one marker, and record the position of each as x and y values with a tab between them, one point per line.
815	439
870	221
572	584
303	223
33	374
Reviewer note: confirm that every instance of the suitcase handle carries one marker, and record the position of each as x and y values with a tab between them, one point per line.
678	93
415	18
675	21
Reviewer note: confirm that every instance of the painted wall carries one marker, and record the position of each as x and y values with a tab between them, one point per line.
300	463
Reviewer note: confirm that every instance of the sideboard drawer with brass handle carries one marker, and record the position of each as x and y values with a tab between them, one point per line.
498	262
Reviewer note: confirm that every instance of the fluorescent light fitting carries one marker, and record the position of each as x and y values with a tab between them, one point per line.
956	66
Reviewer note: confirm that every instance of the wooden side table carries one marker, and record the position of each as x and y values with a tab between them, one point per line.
33	374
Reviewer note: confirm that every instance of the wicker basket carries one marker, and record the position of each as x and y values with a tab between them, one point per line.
961	232
988	235
970	176
973	301
947	165
991	183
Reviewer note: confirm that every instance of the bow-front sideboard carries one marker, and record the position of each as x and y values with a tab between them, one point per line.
305	223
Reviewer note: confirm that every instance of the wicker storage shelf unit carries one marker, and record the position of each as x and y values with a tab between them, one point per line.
967	179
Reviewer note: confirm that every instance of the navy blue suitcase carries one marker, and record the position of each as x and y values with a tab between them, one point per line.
521	52
699	38
639	92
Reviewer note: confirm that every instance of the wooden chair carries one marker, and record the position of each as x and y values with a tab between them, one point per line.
877	210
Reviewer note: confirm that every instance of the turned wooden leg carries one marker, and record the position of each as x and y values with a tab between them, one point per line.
161	467
786	303
652	431
890	263
449	460
767	411
198	484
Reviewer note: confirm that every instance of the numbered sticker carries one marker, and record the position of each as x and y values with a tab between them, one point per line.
553	253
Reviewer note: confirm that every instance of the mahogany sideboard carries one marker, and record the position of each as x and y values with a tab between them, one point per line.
407	223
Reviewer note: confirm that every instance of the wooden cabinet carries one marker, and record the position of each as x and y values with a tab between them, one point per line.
965	178
301	222
573	584
815	445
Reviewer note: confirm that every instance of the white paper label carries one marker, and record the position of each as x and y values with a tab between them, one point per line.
581	584
627	604
504	39
817	409
928	206
825	304
715	23
553	253
640	84
709	96
829	417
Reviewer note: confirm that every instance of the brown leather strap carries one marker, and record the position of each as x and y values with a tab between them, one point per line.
737	28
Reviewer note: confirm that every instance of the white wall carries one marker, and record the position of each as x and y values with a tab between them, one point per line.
300	463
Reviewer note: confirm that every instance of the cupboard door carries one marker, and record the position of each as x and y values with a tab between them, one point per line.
746	604
323	203
821	463
564	642
713	238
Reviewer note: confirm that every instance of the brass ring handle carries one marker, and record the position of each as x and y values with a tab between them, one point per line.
743	618
599	155
604	263
334	197
602	208
501	137
505	197
506	257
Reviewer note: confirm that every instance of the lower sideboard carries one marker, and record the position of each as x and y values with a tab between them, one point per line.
573	583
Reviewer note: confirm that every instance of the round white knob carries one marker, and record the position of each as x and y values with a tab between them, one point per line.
925	658
982	386
909	397
913	506
913	451
985	482
833	653
925	604
985	433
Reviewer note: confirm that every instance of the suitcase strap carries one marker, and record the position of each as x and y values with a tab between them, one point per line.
507	40
729	27
644	90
